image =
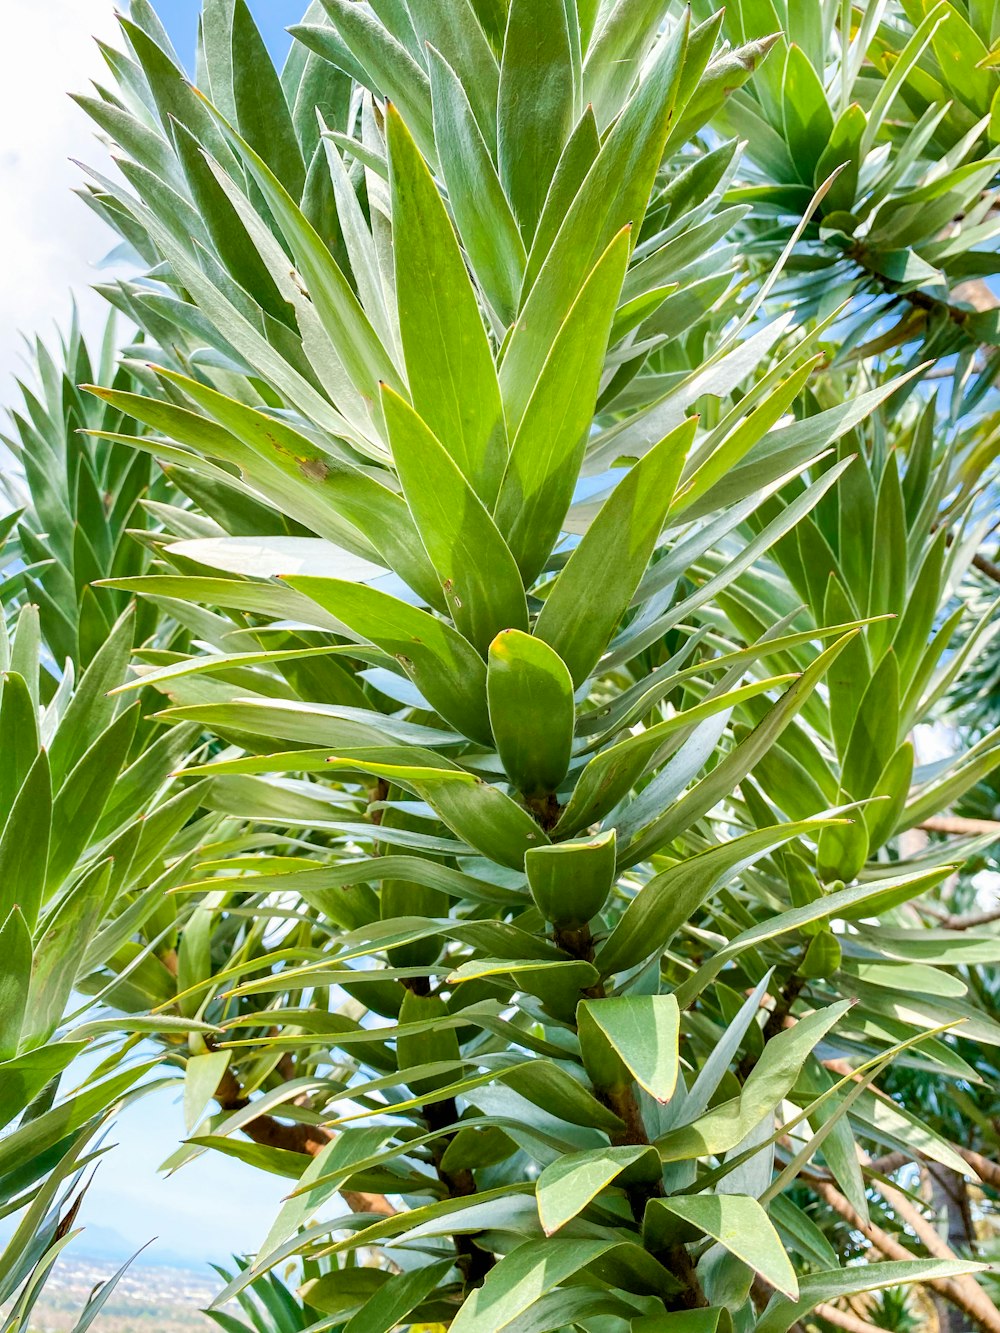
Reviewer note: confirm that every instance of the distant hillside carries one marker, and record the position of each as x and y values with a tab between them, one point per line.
150	1298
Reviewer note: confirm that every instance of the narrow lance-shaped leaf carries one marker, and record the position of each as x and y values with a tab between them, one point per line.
535	113
477	812
346	323
481	583
549	445
591	594
482	214
449	364
442	664
742	1226
24	844
15	949
615	193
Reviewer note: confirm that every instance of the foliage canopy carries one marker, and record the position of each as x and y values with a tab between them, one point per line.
554	465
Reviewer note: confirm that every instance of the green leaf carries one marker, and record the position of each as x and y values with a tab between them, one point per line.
475	811
643	1032
24	845
202	1074
536	103
23	1078
520	1279
817	1288
531	711
441	663
614	194
91	709
482	214
592	592
481	583
262	113
15	950
448	359
390	1305
737	763
549	445
726	1125
808	118
314	481
454	30
742	1226
570	881
549	1086
18	738
860	901
842	150
577	158
615	58
348	327
713	1319
663	904
345	1291
82	798
882	817
60	951
614	771
434	1044
390	68
571	1182
875	732
889	579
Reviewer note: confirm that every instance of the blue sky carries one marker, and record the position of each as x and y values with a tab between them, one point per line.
180	17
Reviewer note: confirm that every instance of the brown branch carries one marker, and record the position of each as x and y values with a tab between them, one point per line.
843	1318
963	1292
474	1263
987	1171
310	1140
986	567
968	921
891	1162
960	826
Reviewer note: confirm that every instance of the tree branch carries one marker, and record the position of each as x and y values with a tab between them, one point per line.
968	921
309	1140
987	1171
963	1292
986	567
960	826
843	1319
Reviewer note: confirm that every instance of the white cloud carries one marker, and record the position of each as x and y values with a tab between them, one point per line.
50	241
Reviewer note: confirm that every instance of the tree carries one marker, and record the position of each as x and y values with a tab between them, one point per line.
549	584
